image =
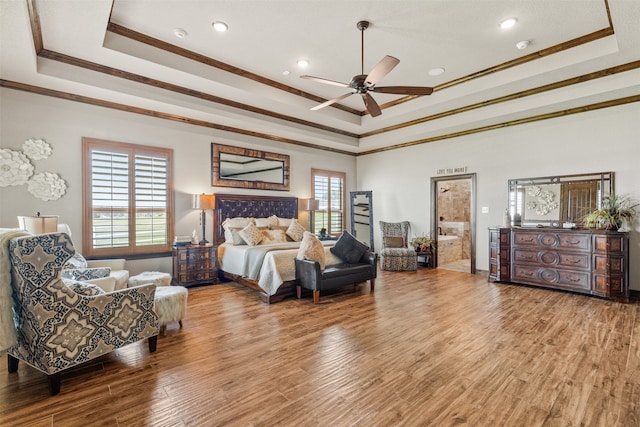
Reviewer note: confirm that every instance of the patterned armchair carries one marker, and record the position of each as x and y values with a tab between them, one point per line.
396	255
59	326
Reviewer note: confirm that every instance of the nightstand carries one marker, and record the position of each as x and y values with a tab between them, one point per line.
195	265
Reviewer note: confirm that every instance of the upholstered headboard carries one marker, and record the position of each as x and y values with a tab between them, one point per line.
234	205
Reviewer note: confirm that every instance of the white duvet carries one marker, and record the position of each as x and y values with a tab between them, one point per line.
278	265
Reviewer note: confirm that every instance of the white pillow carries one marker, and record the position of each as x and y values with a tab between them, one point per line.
266	222
295	230
251	234
311	248
237	222
284	221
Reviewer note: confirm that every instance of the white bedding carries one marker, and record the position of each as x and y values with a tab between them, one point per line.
278	265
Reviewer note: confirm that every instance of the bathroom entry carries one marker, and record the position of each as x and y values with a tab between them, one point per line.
453	221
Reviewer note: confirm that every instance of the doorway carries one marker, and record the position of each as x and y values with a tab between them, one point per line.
453	222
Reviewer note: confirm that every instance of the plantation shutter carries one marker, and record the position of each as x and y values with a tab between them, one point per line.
328	189
127	199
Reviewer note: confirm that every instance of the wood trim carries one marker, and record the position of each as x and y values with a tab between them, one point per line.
561	113
529	92
161	115
36	29
77	62
218	181
168	47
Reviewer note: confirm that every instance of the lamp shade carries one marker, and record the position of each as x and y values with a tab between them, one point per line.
203	201
310	204
39	224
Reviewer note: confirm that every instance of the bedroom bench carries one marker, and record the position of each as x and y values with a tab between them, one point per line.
310	276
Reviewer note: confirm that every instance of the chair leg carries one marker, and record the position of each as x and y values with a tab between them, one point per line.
298	291
54	383
373	284
12	363
316	297
153	343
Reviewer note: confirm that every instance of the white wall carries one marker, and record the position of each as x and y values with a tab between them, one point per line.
63	124
598	141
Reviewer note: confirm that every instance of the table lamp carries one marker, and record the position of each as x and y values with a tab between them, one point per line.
203	202
310	205
39	224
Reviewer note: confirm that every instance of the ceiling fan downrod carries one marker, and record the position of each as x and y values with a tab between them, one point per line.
362	25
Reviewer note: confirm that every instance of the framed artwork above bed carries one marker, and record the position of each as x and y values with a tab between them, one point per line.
244	168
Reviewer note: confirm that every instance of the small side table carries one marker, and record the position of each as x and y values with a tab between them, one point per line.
195	265
427	258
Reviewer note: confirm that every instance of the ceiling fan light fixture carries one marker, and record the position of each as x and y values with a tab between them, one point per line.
508	23
220	26
436	71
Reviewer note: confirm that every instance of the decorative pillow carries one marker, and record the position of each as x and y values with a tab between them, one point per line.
76	261
284	221
311	248
251	234
266	222
81	288
236	239
273	236
82	274
295	230
393	242
237	222
348	248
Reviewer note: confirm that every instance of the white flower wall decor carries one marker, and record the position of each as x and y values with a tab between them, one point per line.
37	148
15	168
47	186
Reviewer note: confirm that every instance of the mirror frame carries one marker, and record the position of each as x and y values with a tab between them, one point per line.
369	196
218	181
606	187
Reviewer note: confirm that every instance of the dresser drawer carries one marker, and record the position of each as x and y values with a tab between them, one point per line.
607	243
607	263
554	277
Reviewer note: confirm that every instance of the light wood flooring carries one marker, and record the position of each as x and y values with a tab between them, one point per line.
432	347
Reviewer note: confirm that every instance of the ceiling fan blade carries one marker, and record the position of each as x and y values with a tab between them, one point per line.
383	68
332	101
326	81
372	106
404	90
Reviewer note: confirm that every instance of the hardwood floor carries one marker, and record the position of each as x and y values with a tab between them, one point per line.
432	347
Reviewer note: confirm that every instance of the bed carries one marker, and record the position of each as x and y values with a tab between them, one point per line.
267	269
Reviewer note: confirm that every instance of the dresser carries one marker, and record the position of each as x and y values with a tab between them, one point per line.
592	262
195	265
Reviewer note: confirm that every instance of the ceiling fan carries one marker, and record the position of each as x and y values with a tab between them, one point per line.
365	83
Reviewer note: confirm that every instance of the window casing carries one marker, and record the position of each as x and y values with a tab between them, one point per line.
328	187
127	199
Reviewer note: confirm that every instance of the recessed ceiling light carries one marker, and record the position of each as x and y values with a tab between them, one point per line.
286	72
302	63
220	26
180	33
436	71
508	23
522	44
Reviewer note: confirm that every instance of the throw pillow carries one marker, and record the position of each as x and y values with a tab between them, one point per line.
266	222
273	236
76	261
236	239
81	288
311	248
393	242
348	248
81	274
237	222
251	234
295	230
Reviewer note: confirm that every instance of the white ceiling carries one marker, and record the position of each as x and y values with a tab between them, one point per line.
266	38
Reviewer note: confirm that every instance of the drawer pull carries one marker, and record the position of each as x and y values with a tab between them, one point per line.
528	273
575	261
531	239
572	242
575	280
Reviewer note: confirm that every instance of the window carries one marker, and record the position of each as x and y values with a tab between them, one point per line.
328	189
127	199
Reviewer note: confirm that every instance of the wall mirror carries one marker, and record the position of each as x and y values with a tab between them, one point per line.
244	168
362	217
555	200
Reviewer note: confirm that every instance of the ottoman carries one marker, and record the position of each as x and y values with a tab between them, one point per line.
156	277
170	305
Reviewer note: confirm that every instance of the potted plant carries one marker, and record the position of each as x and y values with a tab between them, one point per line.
615	210
421	243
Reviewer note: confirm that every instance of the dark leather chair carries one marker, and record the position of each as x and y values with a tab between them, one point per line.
310	276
